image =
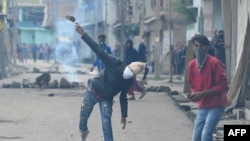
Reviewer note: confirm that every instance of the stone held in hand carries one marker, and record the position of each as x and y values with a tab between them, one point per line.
71	18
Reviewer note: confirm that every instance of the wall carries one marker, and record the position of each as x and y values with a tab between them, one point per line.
43	36
192	29
40	36
217	15
208	18
26	37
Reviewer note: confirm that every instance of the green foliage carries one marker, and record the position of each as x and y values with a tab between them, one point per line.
180	6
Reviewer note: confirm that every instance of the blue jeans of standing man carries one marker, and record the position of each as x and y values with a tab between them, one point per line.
89	101
206	122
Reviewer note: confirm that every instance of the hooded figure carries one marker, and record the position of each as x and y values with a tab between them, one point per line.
131	54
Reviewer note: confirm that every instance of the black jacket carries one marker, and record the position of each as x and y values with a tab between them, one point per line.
142	51
109	82
131	54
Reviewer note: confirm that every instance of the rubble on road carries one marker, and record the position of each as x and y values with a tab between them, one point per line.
43	81
14	70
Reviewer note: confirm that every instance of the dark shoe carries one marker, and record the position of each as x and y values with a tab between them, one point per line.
84	135
143	93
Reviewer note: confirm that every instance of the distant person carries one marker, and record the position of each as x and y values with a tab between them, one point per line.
219	45
34	50
115	78
24	51
19	52
183	58
208	86
177	59
98	62
40	51
212	43
142	55
116	51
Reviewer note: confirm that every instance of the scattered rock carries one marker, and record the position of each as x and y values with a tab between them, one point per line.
51	94
16	85
43	80
80	72
36	70
26	83
54	84
185	108
159	89
174	93
64	83
6	86
165	89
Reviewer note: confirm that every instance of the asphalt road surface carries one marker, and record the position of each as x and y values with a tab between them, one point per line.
31	115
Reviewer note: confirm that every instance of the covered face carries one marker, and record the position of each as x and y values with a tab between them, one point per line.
101	39
201	46
133	69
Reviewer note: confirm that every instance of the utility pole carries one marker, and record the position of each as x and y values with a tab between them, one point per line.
14	29
2	48
106	20
141	17
122	33
157	40
96	19
170	42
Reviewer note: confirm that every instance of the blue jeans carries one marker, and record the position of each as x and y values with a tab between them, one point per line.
206	122
89	102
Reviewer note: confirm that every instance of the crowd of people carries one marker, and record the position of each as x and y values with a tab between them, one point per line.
64	53
41	52
207	78
178	59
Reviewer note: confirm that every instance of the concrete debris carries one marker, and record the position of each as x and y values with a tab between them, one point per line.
80	72
14	70
159	89
51	94
54	84
16	85
42	83
174	93
64	83
78	85
26	83
6	86
36	70
43	80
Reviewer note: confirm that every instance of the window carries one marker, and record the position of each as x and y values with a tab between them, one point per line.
153	3
34	14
